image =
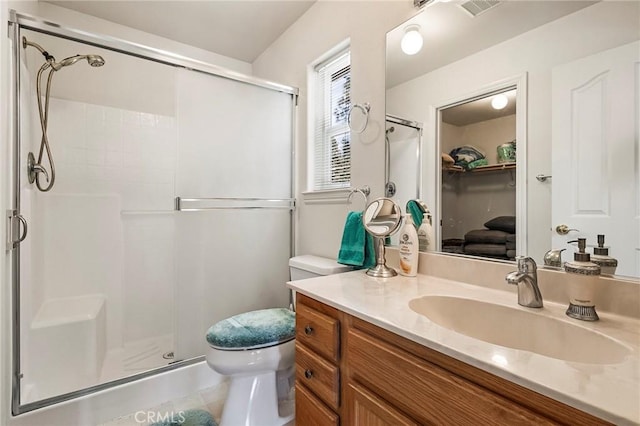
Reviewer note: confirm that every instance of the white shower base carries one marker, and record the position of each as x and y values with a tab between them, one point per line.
136	357
121	400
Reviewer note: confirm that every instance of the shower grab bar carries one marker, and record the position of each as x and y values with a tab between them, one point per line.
254	203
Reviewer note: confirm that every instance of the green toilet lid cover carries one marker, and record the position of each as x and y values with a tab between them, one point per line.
253	330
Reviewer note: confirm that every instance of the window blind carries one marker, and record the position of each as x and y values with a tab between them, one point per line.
332	137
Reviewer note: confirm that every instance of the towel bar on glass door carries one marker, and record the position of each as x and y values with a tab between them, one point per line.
231	203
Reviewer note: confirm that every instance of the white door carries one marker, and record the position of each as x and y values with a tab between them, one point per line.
595	105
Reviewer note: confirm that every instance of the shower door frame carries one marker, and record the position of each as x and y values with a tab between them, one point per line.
18	21
389	118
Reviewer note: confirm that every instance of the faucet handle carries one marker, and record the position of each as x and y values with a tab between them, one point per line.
526	264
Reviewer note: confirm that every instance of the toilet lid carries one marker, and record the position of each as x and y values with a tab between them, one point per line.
253	330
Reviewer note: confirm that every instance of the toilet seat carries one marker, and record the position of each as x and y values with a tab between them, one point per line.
253	330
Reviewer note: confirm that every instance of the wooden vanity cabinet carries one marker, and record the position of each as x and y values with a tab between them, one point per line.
318	334
368	376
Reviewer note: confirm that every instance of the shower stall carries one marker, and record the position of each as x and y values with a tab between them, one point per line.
172	208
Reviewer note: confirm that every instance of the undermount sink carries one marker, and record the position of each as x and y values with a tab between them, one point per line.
519	329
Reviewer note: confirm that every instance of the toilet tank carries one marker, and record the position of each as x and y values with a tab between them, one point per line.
309	266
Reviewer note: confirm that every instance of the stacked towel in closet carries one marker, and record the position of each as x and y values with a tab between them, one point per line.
511	246
497	241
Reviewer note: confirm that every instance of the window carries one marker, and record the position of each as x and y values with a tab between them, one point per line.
332	144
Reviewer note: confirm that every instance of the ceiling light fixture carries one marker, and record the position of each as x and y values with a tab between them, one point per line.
499	101
411	40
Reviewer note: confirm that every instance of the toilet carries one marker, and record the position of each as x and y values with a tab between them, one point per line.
256	350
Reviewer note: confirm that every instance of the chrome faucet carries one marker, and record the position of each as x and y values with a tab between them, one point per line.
526	278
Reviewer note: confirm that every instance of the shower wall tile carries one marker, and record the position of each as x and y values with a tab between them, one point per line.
113	160
67	126
129	158
131	118
98	148
73	155
103	135
96	157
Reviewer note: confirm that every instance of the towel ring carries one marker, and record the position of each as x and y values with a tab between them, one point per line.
365	108
364	191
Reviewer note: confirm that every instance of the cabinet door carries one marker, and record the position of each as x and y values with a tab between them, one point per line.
363	408
311	412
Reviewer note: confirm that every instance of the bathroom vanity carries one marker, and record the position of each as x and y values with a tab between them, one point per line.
366	354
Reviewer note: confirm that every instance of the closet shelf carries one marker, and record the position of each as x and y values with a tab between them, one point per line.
482	169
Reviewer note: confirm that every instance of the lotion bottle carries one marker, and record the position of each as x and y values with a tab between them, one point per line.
425	233
601	258
408	248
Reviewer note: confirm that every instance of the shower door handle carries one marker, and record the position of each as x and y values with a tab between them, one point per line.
13	229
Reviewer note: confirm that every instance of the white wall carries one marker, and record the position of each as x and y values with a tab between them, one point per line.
81	21
323	26
585	32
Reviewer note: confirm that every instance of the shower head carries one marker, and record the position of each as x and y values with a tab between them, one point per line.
93	60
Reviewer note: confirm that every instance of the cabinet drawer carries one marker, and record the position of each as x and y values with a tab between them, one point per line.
425	391
319	375
311	412
318	331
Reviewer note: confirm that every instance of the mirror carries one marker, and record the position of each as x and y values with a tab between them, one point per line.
381	218
562	56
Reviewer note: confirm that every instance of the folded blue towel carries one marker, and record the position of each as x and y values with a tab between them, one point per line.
357	247
416	212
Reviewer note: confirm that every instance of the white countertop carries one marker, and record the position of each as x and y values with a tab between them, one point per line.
611	392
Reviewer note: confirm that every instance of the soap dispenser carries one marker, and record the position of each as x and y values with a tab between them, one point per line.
582	284
408	248
601	258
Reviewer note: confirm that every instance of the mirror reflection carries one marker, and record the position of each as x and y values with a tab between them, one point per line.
382	217
403	140
576	63
477	141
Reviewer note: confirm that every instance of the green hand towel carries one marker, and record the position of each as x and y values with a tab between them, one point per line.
414	209
357	247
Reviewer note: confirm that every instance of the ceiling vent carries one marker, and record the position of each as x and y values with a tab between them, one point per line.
476	7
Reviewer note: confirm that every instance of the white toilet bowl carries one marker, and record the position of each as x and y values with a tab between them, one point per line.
256	350
259	379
